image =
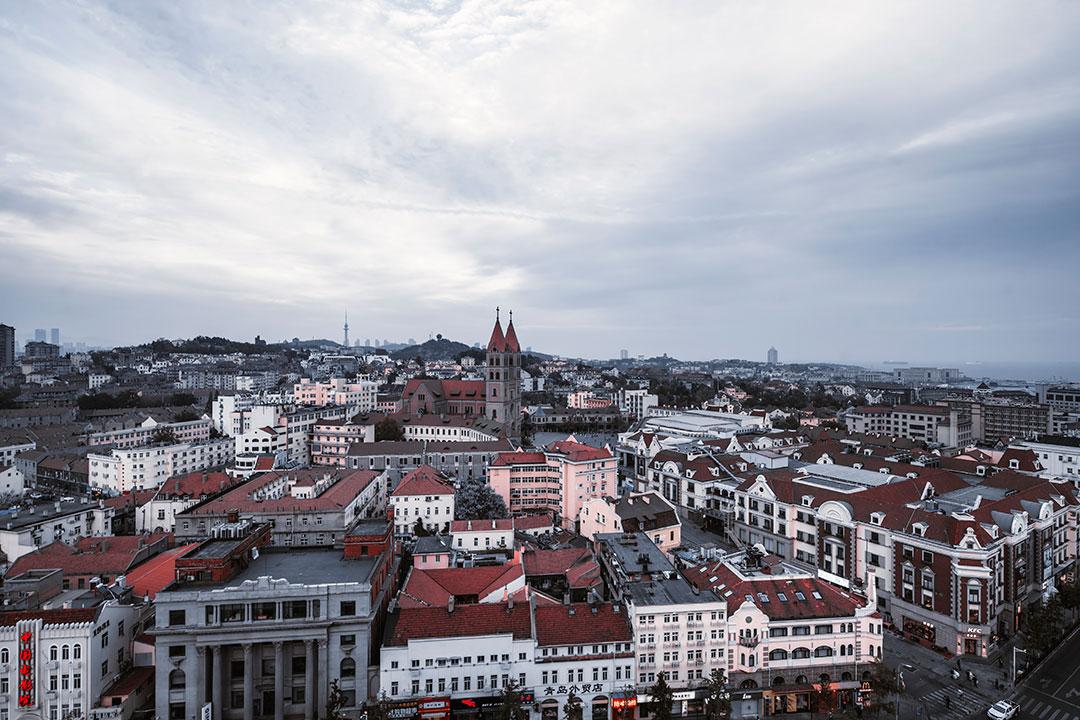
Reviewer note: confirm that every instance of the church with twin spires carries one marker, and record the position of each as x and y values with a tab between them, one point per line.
496	398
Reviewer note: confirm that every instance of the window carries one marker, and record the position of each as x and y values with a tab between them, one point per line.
348	668
823	651
348	608
177	617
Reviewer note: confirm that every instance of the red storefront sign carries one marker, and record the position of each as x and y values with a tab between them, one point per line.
27	689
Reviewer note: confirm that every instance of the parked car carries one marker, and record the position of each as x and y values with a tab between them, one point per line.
1003	710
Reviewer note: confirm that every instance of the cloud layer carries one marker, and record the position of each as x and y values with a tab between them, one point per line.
845	181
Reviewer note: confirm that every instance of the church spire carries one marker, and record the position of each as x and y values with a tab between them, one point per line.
512	344
497	343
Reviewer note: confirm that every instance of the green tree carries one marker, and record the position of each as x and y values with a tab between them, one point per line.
662	697
163	435
717	697
512	706
1042	626
380	709
883	685
572	708
418	528
388	429
335	701
823	696
475	500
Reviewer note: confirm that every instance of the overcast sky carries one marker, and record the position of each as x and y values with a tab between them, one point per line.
844	181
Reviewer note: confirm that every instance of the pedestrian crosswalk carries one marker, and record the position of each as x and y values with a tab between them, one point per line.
952	704
1042	710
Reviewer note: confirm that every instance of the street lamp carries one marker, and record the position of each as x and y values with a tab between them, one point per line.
1016	650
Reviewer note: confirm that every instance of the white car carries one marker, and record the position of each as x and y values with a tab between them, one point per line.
1003	710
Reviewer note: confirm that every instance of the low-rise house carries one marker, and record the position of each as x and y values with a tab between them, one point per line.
645	512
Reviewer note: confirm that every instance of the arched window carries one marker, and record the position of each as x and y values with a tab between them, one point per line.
823	651
65	652
348	668
177	680
52	652
866	675
824	677
846	677
800	653
748	684
5	656
778	680
843	650
850	649
778	654
76	652
801	680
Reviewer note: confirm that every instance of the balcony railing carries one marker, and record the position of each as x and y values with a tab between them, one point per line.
751	641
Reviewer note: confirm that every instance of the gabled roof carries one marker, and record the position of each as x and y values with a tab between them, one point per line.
434	587
819	599
424	623
98	555
578	452
512	344
424	480
581	624
60	616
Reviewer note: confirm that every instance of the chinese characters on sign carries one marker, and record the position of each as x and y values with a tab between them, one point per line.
26	669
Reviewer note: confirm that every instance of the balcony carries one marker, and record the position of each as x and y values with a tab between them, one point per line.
750	642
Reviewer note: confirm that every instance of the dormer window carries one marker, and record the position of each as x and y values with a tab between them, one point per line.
807	500
1014	464
877	517
919	529
981	471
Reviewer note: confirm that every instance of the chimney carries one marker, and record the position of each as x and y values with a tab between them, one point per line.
510	604
450	605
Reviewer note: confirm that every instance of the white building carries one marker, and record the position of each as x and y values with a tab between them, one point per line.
24	531
636	402
139	468
176	495
190	431
11	480
424	494
479	535
1059	456
359	395
71	658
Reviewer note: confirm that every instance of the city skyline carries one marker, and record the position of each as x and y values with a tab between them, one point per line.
195	171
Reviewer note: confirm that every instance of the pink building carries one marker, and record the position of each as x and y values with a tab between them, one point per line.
560	478
647	512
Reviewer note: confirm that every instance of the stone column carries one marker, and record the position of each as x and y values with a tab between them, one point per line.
279	681
200	679
309	680
324	675
249	683
217	677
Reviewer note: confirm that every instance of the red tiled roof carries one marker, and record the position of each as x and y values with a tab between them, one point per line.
435	587
424	480
421	623
503	524
109	555
472	389
578	452
154	575
137	498
349	485
577	624
62	616
195	485
519	457
829	601
576	565
1027	460
532	522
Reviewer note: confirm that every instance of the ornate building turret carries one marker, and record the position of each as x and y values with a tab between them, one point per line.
502	378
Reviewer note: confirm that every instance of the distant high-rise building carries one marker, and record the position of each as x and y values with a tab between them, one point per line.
624	354
39	335
54	337
774	356
412	341
7	346
346	343
367	342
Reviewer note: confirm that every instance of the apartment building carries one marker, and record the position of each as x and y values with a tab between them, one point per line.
931	424
788	629
424	495
461	460
121	470
559	479
994	419
177	494
358	395
24	531
308	507
645	512
678	630
331	440
952	564
1059	455
636	403
190	431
